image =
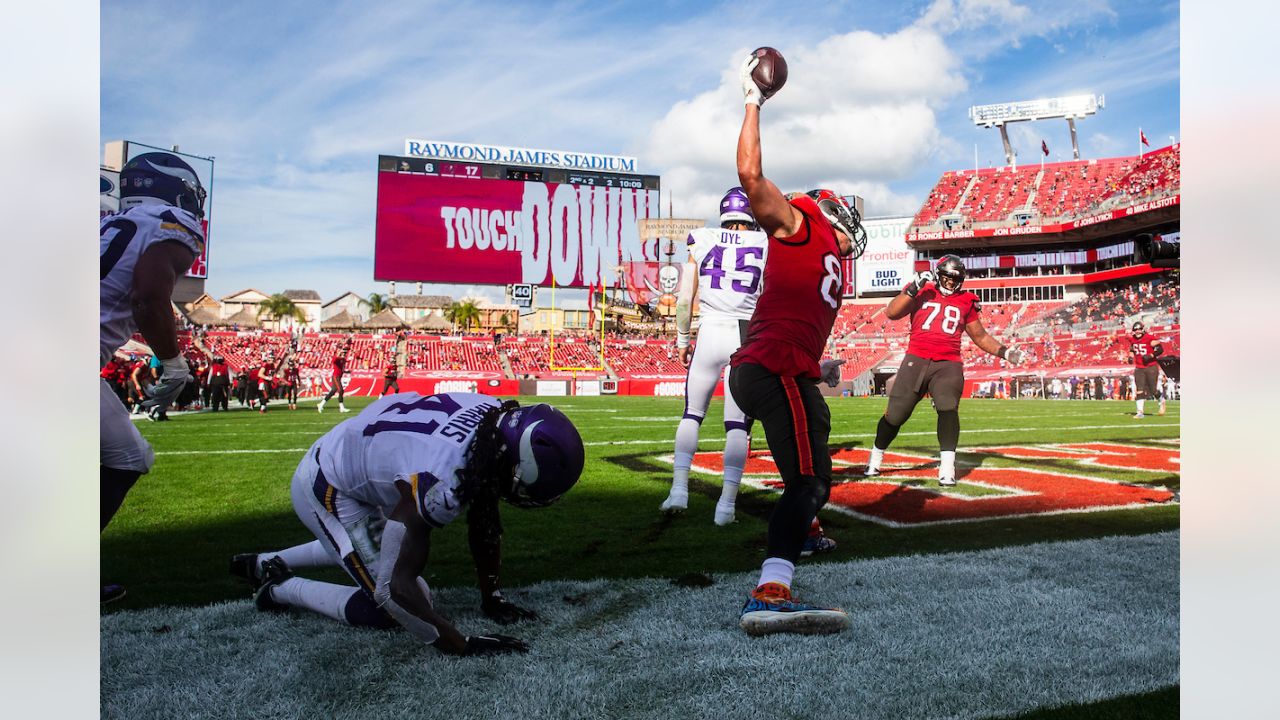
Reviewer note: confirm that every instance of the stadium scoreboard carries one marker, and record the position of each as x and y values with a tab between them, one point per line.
520	173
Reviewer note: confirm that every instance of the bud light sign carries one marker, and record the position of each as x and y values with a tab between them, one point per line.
887	262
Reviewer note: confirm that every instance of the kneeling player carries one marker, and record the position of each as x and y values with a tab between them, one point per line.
939	311
417	461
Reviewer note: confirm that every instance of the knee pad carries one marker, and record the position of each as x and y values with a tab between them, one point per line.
811	488
362	611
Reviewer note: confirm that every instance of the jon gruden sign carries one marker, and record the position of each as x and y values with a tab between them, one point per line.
887	262
490	231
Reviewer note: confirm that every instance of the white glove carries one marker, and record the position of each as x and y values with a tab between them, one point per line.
172	379
830	372
913	286
749	88
1013	356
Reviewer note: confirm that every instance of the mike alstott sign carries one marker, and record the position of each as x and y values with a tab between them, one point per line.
887	262
471	152
481	230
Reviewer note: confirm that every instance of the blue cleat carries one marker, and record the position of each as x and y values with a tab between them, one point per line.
817	544
770	609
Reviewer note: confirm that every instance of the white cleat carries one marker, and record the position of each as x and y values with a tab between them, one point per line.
947	481
320	407
675	502
724	514
342	408
871	472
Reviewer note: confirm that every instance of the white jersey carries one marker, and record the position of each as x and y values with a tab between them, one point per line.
422	440
730	271
123	237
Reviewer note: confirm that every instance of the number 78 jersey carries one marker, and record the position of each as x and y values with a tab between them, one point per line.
730	270
937	322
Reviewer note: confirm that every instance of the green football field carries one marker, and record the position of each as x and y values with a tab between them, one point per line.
220	486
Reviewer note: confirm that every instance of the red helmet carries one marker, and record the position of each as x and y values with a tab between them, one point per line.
842	217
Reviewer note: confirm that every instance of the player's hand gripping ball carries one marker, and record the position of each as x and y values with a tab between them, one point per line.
763	73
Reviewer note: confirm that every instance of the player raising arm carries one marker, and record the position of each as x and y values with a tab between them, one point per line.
939	311
775	373
418	462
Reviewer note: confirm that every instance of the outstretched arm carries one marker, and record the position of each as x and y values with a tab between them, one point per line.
982	339
775	215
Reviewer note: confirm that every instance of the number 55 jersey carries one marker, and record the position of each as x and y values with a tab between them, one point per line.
937	322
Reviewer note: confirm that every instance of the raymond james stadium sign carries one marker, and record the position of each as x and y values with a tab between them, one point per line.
469	152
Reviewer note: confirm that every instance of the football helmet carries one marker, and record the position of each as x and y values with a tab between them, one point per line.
161	176
736	207
1138	328
546	451
842	217
949	274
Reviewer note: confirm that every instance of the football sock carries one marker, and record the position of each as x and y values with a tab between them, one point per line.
885	433
815	528
328	599
114	485
776	570
877	457
949	430
686	446
947	468
735	459
312	554
1141	403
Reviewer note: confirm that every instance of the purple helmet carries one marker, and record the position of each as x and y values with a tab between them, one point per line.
546	450
162	176
736	207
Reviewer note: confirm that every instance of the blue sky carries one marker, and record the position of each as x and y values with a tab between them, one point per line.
296	99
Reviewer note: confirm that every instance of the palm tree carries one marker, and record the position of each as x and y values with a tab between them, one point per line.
463	313
278	307
377	302
506	323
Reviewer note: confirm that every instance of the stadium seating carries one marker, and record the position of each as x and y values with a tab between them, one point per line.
643	359
436	353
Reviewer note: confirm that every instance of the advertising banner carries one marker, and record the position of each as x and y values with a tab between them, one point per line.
491	231
886	264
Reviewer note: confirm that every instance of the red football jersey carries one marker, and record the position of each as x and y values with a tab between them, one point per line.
937	322
803	288
392	372
1144	345
339	364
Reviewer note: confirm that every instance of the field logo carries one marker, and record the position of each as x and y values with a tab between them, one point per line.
899	498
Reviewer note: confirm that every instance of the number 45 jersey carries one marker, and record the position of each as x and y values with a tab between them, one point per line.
937	322
123	237
730	271
422	440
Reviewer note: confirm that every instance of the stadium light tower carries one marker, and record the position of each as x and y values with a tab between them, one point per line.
1069	108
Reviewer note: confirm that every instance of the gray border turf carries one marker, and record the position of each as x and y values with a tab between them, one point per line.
963	635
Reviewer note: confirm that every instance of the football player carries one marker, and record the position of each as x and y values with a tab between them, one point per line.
417	463
339	369
940	311
390	377
143	250
728	264
775	373
1145	349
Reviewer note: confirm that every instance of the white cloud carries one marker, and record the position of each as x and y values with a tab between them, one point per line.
858	111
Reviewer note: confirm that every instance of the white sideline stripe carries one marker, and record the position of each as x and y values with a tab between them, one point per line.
713	441
991	633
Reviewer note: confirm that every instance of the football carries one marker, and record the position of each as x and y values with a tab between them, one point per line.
771	73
